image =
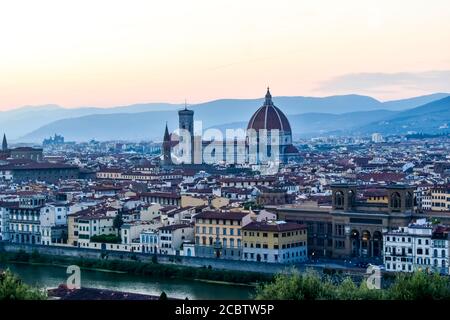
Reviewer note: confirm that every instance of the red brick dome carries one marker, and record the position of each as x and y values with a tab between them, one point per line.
269	117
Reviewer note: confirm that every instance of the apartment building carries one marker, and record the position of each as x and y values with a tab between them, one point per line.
440	198
94	225
219	234
275	242
24	219
149	241
53	221
420	246
172	237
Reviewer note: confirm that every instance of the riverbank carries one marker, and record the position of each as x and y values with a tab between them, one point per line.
150	269
47	276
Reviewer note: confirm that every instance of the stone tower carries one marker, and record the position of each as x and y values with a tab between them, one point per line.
166	148
4	143
186	122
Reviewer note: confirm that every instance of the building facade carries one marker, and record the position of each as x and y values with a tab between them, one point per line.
275	242
219	234
420	246
351	228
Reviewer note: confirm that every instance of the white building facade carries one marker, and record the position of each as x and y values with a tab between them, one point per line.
416	247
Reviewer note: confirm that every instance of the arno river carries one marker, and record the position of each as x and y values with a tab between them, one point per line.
52	276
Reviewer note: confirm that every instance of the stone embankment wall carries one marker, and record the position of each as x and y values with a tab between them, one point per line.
246	266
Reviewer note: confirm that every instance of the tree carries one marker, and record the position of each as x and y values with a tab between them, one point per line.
118	222
12	288
292	285
106	238
312	286
420	286
163	296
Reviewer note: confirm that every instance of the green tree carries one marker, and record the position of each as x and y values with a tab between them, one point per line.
312	286
12	288
420	286
106	238
118	222
292	285
163	296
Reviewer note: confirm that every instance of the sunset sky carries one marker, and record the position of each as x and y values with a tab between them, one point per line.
108	53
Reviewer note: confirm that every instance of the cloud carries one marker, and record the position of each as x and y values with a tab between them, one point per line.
430	81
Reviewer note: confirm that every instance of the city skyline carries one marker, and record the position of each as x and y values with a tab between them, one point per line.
85	55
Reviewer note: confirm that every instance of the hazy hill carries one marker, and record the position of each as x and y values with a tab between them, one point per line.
318	123
433	117
413	102
121	126
307	115
18	122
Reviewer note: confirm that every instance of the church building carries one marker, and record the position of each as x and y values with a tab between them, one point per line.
249	149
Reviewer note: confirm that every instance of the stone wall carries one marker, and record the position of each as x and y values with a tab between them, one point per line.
246	266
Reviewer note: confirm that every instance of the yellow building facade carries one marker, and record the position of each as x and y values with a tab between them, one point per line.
275	241
219	234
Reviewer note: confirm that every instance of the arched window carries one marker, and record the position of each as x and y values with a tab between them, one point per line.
409	200
351	198
339	199
395	200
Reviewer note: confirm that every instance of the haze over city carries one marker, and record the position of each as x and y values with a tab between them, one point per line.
110	53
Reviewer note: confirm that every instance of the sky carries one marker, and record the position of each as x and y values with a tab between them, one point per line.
109	53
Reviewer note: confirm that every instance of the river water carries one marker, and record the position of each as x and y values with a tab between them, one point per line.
52	276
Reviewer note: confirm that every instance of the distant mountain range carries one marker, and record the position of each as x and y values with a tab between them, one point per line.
307	115
433	117
18	122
